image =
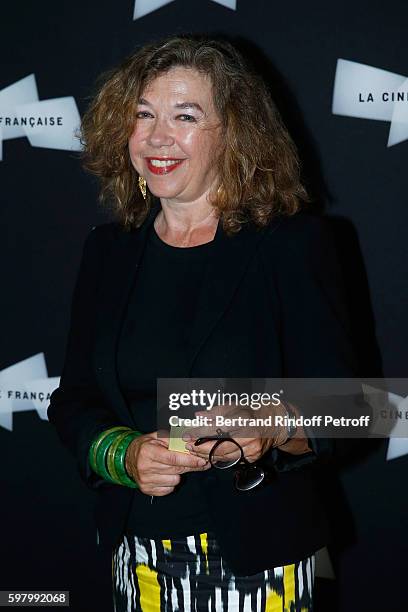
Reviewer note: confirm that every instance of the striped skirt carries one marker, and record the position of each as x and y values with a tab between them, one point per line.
189	574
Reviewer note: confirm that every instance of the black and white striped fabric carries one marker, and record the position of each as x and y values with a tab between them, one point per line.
189	574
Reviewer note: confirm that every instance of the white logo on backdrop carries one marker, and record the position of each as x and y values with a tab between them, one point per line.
394	405
371	93
144	7
25	386
50	124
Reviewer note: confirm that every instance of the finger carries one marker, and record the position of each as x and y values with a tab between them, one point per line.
165	457
160	437
251	449
201	454
202	449
220	454
254	451
231	451
177	469
226	456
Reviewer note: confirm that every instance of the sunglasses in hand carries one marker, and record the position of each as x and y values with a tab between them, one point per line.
247	475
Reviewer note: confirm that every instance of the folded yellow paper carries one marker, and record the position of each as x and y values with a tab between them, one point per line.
176	442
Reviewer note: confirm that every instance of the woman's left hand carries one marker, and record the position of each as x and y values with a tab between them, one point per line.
254	441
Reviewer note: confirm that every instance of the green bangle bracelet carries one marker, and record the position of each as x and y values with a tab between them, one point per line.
102	435
101	456
119	459
98	440
110	456
95	444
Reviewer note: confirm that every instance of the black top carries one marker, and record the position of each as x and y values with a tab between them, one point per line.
153	344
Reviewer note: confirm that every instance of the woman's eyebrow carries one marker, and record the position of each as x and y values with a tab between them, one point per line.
178	105
189	105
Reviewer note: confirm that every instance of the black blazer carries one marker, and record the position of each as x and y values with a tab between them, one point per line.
271	305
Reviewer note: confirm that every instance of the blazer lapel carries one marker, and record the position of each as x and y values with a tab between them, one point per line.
118	279
229	259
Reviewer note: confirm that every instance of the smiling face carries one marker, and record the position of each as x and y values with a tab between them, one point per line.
177	136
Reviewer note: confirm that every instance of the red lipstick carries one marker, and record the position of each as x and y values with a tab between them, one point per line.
163	169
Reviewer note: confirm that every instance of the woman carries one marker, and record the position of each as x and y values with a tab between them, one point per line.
210	270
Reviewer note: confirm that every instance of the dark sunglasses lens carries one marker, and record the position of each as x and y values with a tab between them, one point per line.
249	477
225	463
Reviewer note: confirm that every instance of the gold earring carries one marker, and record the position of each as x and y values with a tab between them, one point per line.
142	186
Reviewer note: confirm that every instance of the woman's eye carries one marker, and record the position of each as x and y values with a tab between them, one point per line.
142	114
187	118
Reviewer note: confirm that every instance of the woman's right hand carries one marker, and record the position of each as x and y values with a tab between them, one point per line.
157	470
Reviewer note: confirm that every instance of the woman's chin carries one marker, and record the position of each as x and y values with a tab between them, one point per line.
163	192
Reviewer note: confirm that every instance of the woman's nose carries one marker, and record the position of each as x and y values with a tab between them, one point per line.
160	134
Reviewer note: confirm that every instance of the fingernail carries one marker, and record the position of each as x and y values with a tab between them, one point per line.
189	447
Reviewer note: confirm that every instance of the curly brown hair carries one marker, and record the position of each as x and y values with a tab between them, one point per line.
259	168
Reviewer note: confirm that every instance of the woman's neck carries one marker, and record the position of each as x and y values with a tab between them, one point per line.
186	225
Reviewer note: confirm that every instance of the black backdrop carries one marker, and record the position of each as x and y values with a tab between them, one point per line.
49	205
